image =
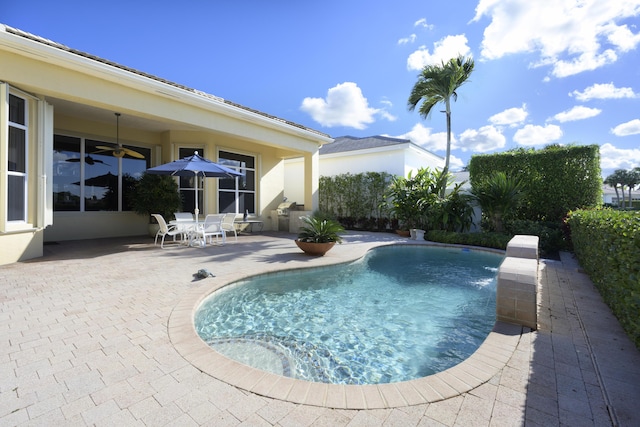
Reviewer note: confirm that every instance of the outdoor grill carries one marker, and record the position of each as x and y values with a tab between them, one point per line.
284	209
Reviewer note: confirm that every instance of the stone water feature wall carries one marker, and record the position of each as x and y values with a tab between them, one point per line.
517	283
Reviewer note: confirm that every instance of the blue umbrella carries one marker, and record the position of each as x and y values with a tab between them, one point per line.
195	166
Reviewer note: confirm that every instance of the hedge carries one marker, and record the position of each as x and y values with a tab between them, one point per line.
607	244
560	179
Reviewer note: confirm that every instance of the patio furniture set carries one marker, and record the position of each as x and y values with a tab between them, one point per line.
192	232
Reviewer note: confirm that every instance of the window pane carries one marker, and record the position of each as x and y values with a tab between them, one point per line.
227	202
236	160
247	202
227	183
100	178
15	198
248	181
245	185
189	200
17	147
66	173
132	170
17	113
187	184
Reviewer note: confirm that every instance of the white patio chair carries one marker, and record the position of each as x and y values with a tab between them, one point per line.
228	224
211	227
184	216
165	230
183	221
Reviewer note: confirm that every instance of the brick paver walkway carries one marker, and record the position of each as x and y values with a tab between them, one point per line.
83	342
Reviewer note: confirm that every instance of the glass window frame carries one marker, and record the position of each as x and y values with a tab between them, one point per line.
244	199
121	204
13	174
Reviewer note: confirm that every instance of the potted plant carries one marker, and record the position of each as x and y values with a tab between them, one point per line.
319	234
155	194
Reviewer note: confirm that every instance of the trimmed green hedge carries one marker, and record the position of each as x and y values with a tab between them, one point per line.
484	239
559	179
607	244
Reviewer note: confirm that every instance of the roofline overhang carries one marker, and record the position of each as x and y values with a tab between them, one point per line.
395	147
53	53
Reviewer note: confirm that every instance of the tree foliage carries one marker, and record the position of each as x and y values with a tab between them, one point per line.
499	196
439	84
624	179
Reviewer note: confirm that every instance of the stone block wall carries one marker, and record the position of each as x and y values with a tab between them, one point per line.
517	283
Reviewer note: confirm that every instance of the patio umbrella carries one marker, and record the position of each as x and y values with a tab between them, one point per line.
107	180
195	166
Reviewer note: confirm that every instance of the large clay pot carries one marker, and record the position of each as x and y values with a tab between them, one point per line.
315	249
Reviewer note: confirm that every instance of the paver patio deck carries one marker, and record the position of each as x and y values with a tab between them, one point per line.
84	341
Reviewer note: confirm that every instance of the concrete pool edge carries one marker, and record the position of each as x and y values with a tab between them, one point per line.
488	360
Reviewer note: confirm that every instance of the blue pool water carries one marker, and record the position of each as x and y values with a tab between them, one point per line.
400	313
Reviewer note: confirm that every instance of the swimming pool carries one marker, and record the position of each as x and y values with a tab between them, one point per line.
400	313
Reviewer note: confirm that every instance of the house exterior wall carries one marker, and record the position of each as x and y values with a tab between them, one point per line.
71	94
395	160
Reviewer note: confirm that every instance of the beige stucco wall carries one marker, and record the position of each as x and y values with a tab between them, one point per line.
20	246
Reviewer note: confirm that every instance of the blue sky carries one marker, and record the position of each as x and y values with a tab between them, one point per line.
547	71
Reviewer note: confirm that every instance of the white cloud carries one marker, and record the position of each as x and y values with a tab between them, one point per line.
603	91
577	113
629	128
431	141
532	135
510	116
345	105
612	158
422	22
568	35
487	138
455	163
443	50
406	40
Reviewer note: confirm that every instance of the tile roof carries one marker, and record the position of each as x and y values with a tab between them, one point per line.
62	47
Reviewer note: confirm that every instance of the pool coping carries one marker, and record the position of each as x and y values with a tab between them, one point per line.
491	357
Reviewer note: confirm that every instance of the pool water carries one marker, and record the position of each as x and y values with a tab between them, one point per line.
400	313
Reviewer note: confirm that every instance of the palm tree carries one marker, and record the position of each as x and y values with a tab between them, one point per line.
439	83
618	178
633	179
498	195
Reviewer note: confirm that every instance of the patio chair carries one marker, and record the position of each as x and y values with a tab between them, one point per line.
228	224
165	230
183	221
212	226
184	216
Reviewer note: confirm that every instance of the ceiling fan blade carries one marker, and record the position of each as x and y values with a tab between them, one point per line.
132	153
119	149
105	148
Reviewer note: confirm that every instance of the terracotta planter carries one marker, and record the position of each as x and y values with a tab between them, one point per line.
403	233
315	249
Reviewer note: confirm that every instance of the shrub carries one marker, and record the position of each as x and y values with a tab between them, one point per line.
550	234
484	239
607	244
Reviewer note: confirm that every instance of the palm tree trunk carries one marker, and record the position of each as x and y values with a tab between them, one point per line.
448	155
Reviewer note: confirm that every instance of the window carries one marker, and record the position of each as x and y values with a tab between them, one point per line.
237	194
87	177
187	184
17	160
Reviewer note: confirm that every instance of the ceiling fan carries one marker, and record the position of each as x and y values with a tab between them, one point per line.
88	160
118	150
